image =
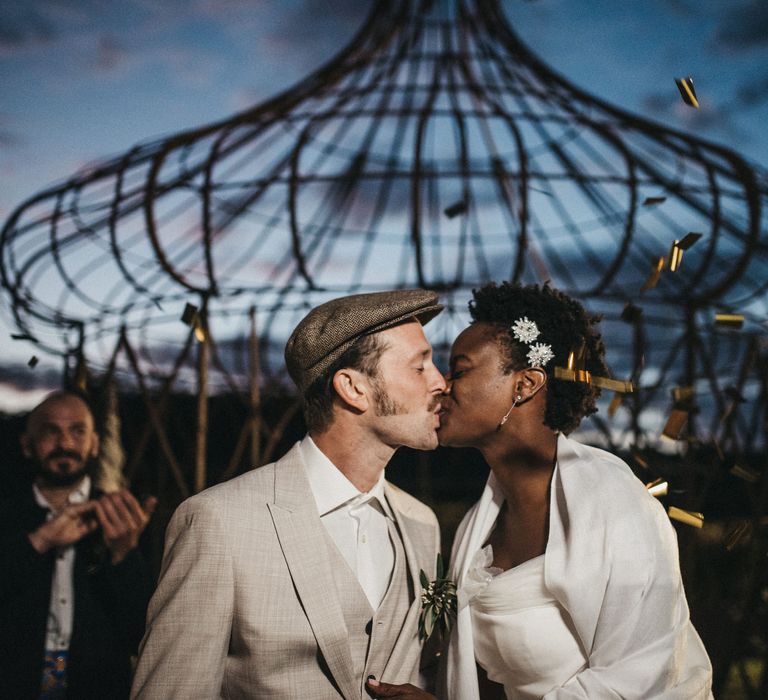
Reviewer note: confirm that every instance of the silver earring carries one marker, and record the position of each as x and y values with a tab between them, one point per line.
517	400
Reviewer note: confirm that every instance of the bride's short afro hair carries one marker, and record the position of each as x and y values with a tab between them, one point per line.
564	324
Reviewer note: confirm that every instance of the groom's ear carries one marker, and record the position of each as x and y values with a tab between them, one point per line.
352	389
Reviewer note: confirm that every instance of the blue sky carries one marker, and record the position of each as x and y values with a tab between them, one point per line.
85	79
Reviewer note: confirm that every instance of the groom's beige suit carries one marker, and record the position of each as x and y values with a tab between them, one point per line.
255	601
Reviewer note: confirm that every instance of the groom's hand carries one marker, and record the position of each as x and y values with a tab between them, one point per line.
406	691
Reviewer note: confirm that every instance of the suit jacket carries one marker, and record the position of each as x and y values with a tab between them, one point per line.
247	607
109	609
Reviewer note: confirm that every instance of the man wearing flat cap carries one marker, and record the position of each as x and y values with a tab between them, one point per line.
300	579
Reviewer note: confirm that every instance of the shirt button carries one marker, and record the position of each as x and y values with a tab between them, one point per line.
364	539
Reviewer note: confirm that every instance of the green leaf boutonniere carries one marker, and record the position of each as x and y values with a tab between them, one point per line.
438	603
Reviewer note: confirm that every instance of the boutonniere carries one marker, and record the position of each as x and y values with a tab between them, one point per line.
438	603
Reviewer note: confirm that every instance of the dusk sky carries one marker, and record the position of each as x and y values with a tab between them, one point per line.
82	80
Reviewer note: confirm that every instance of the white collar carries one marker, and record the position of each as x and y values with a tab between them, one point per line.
77	495
330	487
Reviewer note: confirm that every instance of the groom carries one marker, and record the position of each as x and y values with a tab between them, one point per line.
301	579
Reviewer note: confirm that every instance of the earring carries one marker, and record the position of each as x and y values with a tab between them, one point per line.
504	419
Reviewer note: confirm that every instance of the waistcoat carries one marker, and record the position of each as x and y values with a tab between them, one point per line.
372	634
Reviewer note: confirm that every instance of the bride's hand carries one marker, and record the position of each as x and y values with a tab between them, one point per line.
406	691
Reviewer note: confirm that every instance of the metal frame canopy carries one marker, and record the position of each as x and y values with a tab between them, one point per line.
435	150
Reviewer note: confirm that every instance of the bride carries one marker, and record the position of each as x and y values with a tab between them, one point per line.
567	569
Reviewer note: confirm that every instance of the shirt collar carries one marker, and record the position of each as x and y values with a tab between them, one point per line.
330	487
77	495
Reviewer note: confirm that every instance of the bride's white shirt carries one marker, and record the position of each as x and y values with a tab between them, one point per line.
524	639
611	563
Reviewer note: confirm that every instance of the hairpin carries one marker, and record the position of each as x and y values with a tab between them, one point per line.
526	332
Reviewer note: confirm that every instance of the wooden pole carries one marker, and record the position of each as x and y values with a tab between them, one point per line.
202	399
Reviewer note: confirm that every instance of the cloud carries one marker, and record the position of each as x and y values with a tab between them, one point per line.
22	378
313	32
23	23
744	25
110	54
669	107
754	92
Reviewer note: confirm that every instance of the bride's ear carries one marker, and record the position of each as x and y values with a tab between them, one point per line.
530	381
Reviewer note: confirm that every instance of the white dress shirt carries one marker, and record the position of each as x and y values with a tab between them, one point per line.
61	610
356	521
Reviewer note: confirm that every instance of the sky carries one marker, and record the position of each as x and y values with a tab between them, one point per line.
82	80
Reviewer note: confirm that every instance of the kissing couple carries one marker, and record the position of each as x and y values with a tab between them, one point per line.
301	579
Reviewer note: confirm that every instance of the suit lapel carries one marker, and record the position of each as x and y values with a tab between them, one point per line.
419	545
304	547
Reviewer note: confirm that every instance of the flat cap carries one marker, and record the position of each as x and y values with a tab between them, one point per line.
330	329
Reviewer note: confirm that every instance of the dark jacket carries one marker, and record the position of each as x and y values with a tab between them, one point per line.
109	610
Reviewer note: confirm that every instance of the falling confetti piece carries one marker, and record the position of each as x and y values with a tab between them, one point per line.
687	92
683	393
631	313
455	209
688	240
614	405
585	377
653	278
744	528
729	320
677	420
688	517
745	473
658	487
190	314
675	257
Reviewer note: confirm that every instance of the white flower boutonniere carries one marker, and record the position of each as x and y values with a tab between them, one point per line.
438	603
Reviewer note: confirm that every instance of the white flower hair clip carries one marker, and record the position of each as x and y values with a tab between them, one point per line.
526	331
539	355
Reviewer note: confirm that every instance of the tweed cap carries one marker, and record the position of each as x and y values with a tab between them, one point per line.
329	330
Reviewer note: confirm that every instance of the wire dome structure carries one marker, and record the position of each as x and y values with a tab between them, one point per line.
435	150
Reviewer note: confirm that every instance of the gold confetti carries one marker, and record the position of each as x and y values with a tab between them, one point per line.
688	517
619	385
455	209
651	201
729	320
577	359
614	405
658	487
585	377
687	92
641	461
653	278
688	240
33	362
631	313
190	315
683	393
745	473
737	534
675	257
677	420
